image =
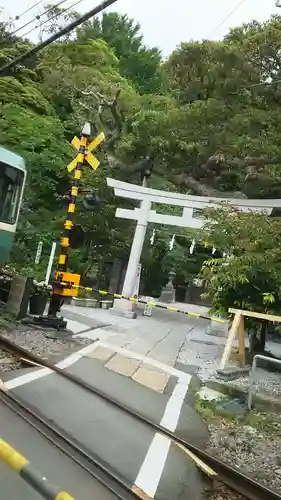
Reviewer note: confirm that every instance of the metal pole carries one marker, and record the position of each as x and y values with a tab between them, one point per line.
63	257
63	285
50	263
252	376
21	465
56	299
252	380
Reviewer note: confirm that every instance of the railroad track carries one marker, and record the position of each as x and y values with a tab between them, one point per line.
231	477
99	472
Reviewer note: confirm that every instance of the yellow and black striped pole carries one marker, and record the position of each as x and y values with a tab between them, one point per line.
19	464
84	148
80	159
84	156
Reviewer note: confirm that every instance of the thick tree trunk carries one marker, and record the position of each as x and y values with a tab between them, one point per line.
202	189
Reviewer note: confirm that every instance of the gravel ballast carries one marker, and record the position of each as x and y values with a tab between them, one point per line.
265	382
35	340
255	451
223	493
8	362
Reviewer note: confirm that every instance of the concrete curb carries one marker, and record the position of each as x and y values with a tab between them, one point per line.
261	402
84	302
93	303
19	464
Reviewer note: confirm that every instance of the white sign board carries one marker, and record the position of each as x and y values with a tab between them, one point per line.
38	253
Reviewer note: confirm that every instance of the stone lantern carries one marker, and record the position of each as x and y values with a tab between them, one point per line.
168	292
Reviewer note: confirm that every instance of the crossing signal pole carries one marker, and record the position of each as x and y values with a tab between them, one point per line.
84	156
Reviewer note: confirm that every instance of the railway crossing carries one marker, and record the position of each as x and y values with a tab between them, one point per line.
84	147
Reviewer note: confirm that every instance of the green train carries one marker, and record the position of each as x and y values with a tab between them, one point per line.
12	182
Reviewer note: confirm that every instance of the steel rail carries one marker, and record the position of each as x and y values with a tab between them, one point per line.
230	476
106	477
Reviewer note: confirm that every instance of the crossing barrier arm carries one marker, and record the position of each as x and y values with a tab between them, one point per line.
70	285
19	464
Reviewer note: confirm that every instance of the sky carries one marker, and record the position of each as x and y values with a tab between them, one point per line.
166	23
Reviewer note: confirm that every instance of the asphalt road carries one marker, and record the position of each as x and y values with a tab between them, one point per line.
50	461
114	437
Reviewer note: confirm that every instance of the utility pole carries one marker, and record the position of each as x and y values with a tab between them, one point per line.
59	292
8	68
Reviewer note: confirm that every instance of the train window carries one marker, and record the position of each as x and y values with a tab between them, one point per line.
11	182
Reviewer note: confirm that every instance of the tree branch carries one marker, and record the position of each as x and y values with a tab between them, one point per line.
116	112
187	181
200	188
248	161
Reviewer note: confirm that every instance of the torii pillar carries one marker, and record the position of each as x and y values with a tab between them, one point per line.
123	307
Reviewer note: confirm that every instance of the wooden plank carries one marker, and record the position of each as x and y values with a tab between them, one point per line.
251	314
2	386
231	336
30	362
139	493
241	340
200	464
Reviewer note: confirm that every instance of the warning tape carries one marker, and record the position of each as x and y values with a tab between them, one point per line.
136	300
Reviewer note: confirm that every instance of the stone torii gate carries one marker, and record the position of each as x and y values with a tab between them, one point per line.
145	214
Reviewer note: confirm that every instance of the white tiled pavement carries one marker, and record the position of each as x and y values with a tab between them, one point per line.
168	338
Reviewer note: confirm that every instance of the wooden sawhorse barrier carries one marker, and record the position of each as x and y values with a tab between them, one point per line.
237	329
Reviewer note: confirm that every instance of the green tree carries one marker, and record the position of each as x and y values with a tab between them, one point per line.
214	131
231	125
138	63
260	42
55	19
208	70
30	128
248	276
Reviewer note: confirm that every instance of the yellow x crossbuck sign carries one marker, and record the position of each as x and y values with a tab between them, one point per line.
89	157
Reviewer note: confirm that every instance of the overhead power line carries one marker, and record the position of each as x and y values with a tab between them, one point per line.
16	18
58	14
38	17
5	70
227	17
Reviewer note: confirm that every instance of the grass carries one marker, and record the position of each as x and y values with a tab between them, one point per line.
268	423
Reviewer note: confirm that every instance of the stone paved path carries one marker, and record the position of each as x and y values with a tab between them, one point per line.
168	338
135	348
